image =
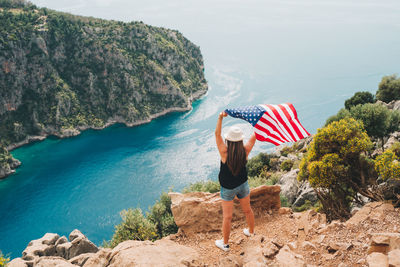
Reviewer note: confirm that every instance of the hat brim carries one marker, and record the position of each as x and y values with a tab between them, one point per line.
239	138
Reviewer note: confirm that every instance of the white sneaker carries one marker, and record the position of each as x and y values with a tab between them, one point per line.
220	243
246	232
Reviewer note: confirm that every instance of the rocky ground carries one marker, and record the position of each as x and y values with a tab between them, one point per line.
283	238
304	239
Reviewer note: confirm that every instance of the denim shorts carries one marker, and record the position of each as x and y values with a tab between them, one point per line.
241	191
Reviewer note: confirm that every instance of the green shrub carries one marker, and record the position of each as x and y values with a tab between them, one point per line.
3	260
284	201
378	120
389	89
308	205
256	164
257	181
134	226
274	164
335	168
342	113
287	165
161	216
359	98
387	165
203	186
286	150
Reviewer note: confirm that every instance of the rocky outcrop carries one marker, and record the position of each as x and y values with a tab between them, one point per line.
201	212
297	193
7	163
53	250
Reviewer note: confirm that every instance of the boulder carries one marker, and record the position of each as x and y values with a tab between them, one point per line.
305	192
81	245
100	259
289	185
377	260
231	261
373	210
44	246
394	258
384	242
201	212
17	262
52	261
146	253
287	258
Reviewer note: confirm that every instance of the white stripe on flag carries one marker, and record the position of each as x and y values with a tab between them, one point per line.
269	128
280	126
299	126
287	122
258	131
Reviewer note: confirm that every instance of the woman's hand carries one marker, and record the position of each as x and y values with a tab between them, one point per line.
223	114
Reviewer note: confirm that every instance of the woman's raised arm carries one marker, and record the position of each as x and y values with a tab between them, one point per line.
218	138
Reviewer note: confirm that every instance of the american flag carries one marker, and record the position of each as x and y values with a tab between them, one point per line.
276	124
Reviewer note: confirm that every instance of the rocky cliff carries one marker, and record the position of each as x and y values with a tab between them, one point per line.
61	73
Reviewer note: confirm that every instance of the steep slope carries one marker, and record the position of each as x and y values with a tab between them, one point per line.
63	73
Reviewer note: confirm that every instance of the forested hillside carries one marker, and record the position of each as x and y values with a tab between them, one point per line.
62	73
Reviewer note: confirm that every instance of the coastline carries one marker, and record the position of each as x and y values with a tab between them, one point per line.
66	133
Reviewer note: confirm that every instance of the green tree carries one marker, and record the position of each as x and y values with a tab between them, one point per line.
378	120
161	215
359	98
342	113
336	167
389	89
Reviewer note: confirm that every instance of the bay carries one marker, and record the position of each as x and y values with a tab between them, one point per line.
314	54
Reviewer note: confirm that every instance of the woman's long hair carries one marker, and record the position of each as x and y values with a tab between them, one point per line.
236	159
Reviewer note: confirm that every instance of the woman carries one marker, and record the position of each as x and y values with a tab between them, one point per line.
233	178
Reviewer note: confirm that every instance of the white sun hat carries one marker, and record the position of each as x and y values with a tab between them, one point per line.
234	134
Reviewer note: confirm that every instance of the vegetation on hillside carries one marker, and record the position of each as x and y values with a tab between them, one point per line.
61	71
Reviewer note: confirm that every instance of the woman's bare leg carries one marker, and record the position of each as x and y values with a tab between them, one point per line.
227	210
245	205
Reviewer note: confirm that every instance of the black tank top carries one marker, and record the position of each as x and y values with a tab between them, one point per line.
228	180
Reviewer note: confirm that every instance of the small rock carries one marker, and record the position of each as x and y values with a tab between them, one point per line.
292	245
361	261
270	250
277	242
285	210
308	245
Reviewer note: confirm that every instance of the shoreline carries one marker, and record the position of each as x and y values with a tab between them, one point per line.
66	133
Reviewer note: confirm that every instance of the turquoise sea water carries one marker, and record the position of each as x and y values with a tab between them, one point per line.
312	54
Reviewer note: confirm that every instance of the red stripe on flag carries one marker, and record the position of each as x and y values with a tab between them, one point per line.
278	116
295	114
259	127
262	138
282	136
290	119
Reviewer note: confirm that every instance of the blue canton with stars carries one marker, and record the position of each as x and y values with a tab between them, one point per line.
249	113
